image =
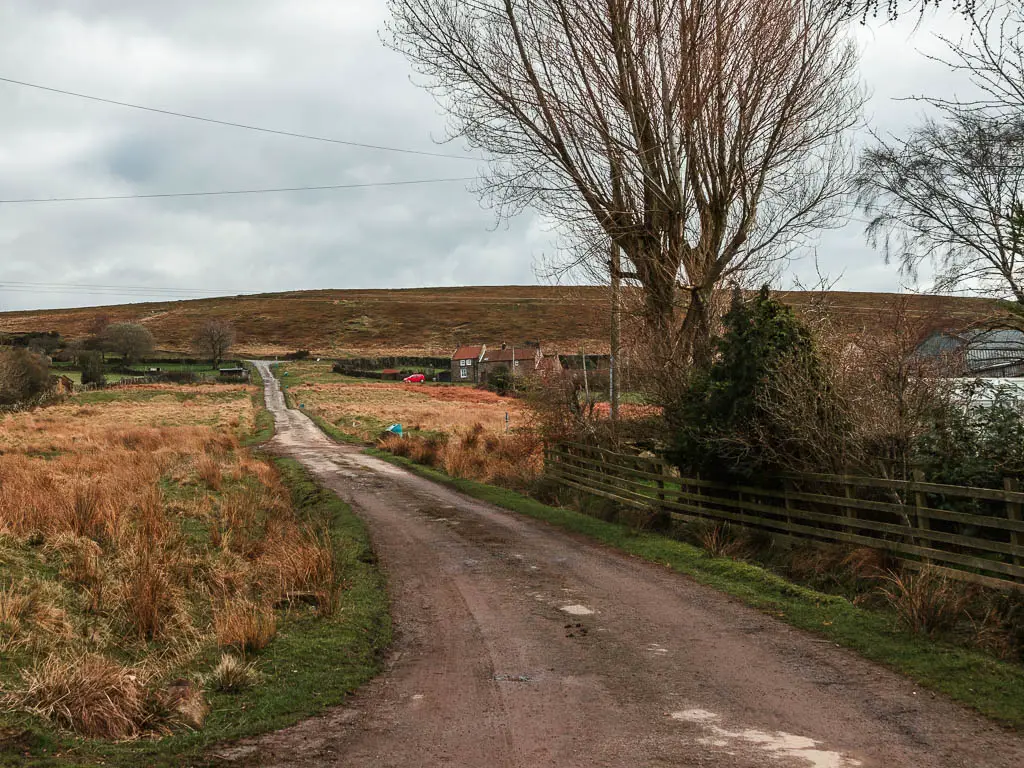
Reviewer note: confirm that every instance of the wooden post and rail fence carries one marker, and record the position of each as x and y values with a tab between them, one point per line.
972	534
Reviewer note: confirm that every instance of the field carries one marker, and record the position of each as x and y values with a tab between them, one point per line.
469	432
114	373
365	408
155	575
432	321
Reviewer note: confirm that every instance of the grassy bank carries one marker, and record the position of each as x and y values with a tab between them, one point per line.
994	688
313	660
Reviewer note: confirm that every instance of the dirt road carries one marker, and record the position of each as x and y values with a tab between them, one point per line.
520	645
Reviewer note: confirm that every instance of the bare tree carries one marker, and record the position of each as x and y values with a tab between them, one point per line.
890	10
992	56
214	339
951	193
703	137
129	340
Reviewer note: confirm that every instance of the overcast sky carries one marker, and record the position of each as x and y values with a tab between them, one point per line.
307	66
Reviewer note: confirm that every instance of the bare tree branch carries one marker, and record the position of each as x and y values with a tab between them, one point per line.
214	339
950	195
704	137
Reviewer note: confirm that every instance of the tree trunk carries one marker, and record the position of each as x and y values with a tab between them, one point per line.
696	330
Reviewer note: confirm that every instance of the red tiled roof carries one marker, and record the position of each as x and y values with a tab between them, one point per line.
467	353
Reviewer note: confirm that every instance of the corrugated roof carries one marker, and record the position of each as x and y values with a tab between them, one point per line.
1000	350
993	352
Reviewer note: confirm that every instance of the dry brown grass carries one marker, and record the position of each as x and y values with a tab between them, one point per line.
90	695
29	616
451	410
513	460
421	321
298	569
926	601
139	530
151	600
245	626
721	540
232	675
209	472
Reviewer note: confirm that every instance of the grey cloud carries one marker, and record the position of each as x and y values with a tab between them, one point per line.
313	67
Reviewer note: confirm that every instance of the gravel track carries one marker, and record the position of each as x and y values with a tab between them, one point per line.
517	644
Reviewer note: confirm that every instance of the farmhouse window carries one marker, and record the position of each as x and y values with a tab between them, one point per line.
463	363
465	373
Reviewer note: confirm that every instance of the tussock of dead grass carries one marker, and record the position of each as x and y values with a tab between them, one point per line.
150	599
232	675
721	540
245	625
297	569
511	460
926	601
90	695
209	472
30	616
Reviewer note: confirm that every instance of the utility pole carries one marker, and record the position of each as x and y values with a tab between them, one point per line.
615	270
586	381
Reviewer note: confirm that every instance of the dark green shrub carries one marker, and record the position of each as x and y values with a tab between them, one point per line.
500	380
719	426
91	364
24	375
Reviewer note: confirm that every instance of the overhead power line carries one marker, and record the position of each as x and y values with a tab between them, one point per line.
228	123
119	287
151	297
17	286
153	195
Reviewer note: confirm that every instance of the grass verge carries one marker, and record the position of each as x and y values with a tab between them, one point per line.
313	663
994	688
264	428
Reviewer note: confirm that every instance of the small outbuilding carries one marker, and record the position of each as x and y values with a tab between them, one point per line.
978	353
233	374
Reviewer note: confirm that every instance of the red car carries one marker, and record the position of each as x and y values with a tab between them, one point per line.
416	378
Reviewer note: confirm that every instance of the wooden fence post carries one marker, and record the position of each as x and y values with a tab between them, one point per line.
849	512
1013	513
661	515
920	517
